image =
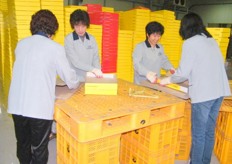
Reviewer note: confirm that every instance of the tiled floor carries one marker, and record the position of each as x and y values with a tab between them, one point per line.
8	143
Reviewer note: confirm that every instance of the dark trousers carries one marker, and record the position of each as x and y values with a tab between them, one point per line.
32	139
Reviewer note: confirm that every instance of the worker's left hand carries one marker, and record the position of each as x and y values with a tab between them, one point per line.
165	81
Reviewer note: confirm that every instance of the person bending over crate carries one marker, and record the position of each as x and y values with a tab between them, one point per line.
38	61
202	65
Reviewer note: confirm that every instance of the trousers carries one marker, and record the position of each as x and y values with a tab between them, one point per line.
32	137
203	118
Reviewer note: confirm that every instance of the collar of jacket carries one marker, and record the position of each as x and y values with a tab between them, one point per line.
149	45
41	33
76	37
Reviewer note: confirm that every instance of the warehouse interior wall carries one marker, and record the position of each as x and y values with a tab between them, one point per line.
118	5
211	11
217	14
121	5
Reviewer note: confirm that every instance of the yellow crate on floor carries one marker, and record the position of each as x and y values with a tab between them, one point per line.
134	153
183	147
157	136
223	148
184	135
100	151
226	105
224	124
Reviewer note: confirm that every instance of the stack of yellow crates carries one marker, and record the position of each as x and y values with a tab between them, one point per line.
221	35
108	9
223	140
124	58
154	144
57	7
1	56
4	51
96	31
171	39
135	20
91	128
3	6
184	135
18	27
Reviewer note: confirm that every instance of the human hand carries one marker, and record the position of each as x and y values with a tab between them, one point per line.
97	72
152	77
172	70
165	81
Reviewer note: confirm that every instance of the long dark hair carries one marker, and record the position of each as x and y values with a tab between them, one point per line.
44	21
191	25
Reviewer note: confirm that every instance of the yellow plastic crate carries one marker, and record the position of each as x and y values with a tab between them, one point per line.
224	124
134	153
184	136
223	148
92	117
100	151
157	136
186	128
226	105
183	147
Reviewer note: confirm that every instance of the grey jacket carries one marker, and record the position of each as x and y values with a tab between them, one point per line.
146	58
82	55
202	64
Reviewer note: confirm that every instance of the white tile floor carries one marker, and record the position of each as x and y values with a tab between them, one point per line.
8	143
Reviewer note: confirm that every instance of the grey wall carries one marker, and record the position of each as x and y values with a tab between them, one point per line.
211	11
215	13
118	5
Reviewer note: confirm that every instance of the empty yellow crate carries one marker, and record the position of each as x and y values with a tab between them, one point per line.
133	153
156	137
100	151
183	147
223	148
184	135
224	124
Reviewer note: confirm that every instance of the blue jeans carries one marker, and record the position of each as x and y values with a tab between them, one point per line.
203	116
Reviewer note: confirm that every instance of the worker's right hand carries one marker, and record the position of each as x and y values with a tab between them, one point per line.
97	72
152	77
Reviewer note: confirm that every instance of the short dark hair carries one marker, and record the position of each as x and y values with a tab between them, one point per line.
191	25
79	16
154	27
44	21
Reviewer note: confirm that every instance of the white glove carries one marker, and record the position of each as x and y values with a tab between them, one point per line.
98	73
152	77
165	81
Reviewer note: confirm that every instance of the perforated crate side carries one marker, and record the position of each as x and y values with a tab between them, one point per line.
133	153
223	148
100	151
224	124
157	136
183	147
227	104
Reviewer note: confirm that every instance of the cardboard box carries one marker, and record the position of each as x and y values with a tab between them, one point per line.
101	86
